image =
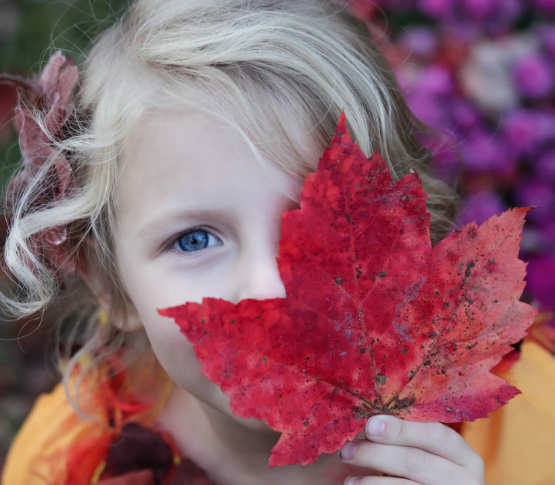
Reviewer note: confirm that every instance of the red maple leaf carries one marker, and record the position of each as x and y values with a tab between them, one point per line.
375	319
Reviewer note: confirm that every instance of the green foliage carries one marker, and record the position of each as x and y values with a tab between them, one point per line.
44	26
41	27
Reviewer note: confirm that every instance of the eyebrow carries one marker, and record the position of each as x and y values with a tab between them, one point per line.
157	223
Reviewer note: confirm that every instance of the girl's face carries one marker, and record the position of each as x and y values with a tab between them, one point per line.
197	217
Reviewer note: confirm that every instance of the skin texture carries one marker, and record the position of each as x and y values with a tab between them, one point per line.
175	163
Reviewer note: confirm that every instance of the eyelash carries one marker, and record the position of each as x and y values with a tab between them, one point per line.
174	242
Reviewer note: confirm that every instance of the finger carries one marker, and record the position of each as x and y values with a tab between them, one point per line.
378	481
410	463
433	437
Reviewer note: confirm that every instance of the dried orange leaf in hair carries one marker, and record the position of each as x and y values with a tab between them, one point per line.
375	319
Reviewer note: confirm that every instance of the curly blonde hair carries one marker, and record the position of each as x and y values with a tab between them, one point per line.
247	62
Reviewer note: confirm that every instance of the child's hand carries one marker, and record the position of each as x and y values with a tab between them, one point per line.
421	453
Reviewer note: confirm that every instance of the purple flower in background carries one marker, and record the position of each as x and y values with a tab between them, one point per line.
547	234
435	8
535	192
519	131
545	126
533	76
548	5
503	14
540	276
420	41
470	18
479	9
480	206
443	145
465	116
525	130
545	167
428	109
483	152
436	81
547	39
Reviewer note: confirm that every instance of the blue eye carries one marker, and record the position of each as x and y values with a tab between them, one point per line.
195	240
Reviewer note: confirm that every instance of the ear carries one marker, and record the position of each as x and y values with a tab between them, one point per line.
119	308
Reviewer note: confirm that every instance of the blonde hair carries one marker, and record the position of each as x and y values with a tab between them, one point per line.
247	62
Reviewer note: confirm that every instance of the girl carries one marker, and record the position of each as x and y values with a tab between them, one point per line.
163	181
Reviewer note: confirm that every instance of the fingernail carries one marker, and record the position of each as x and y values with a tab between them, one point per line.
375	426
352	480
348	451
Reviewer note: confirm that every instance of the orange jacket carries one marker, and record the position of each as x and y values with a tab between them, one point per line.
517	442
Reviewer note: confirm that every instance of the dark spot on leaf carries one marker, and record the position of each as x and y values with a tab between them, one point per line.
362	350
468	347
427	362
203	321
308	357
358	273
469	267
380	380
490	266
432	334
382	274
360	413
348	218
404	351
338	280
232	322
401	403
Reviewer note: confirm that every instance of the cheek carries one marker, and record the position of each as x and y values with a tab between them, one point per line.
174	352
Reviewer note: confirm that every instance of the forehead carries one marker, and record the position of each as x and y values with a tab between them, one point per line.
173	157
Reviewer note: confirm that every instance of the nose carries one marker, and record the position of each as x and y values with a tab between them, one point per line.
257	276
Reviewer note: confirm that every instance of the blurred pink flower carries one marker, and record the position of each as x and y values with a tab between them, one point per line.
420	41
547	39
545	167
526	130
479	9
436	80
435	8
483	152
464	114
541	279
480	206
548	5
536	192
533	76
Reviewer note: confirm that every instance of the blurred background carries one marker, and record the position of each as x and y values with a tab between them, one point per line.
481	73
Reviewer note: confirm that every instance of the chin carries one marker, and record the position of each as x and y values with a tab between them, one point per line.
220	401
254	424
